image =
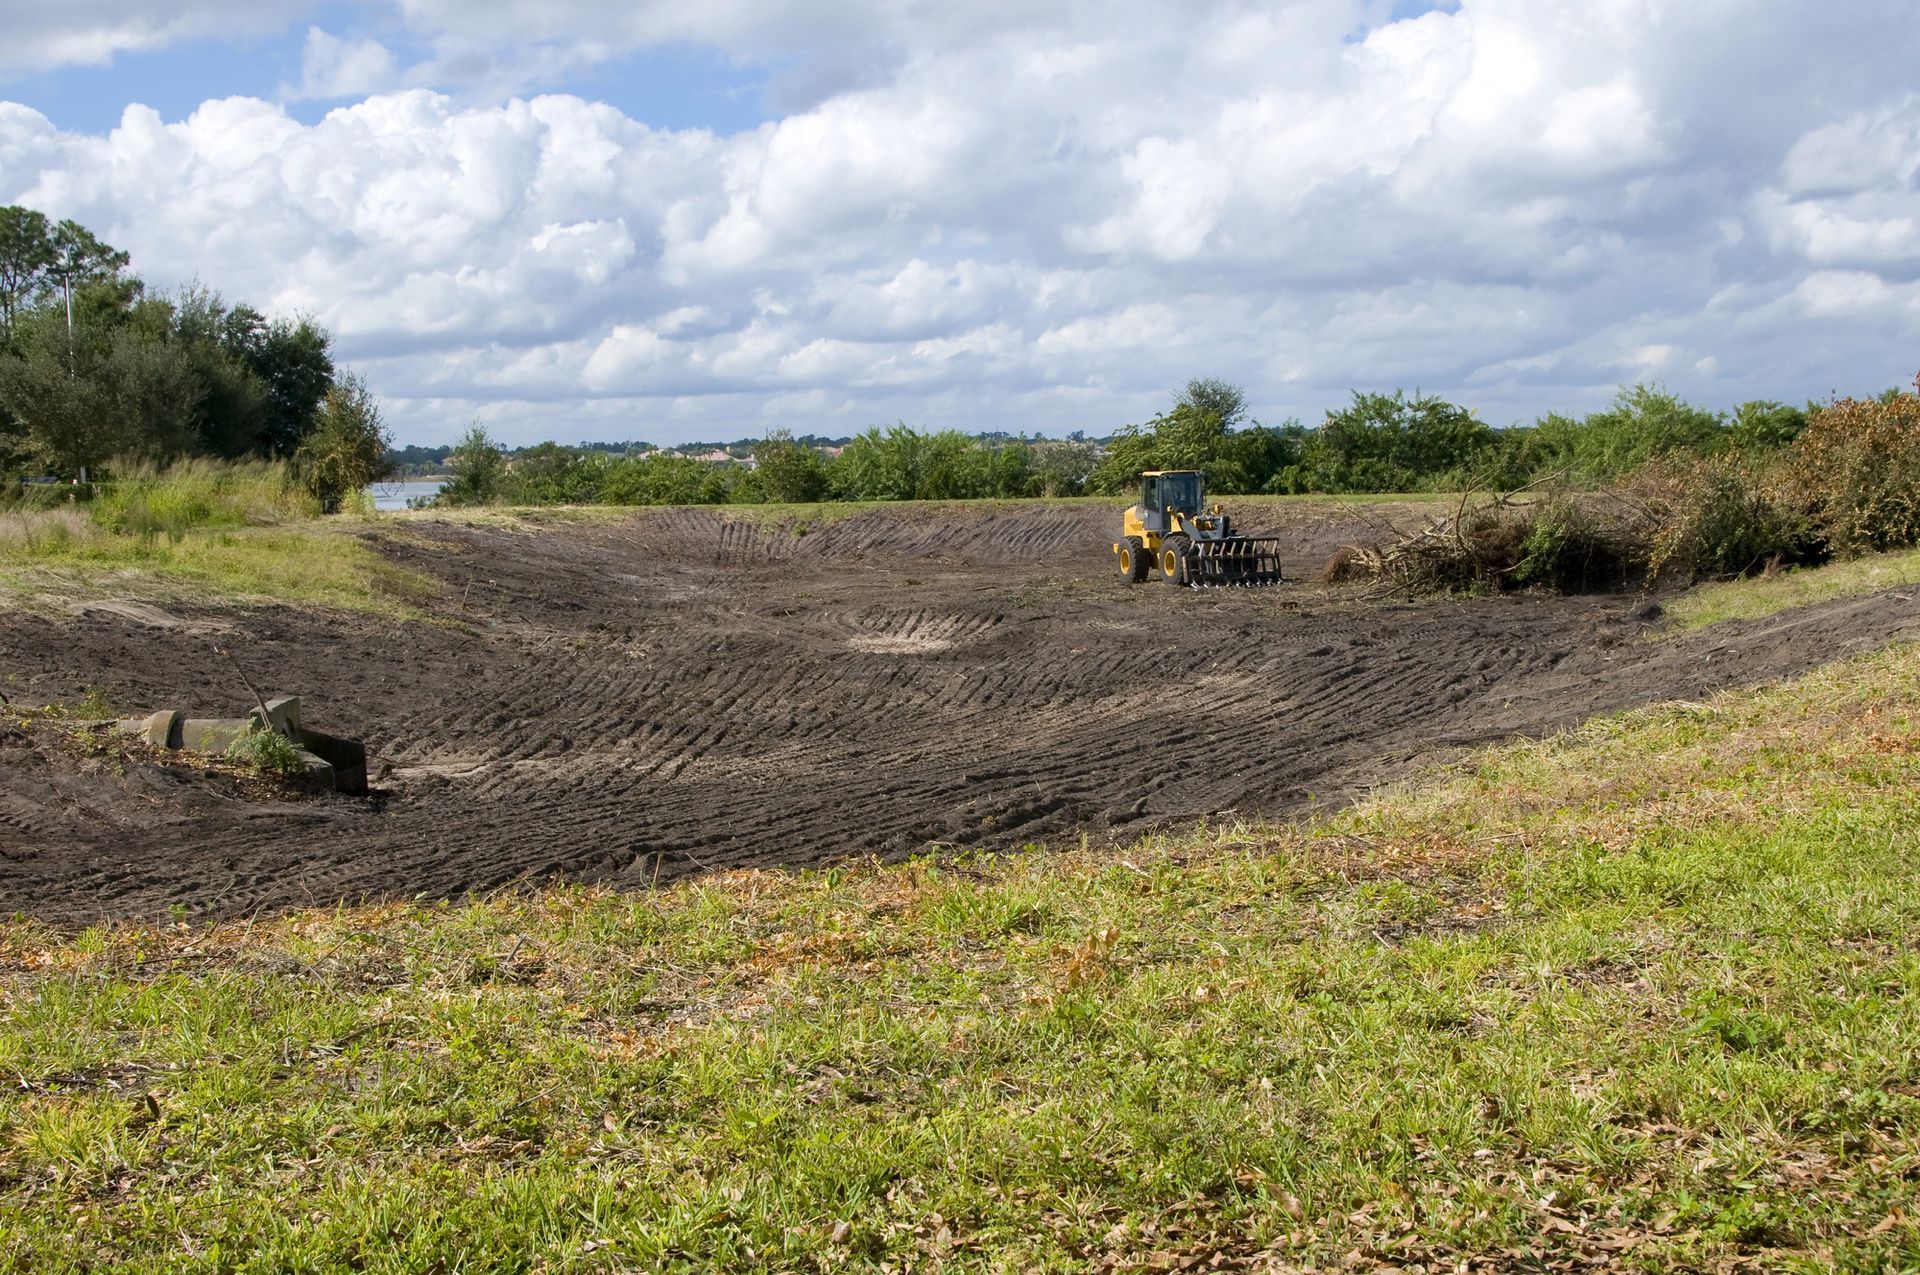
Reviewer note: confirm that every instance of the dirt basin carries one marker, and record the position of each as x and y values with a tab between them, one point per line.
681	692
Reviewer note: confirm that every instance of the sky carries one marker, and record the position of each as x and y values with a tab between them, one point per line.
669	221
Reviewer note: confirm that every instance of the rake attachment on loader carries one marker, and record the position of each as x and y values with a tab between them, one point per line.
1172	533
1233	560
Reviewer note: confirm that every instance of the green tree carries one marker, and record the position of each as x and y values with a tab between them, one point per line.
1390	442
882	464
294	363
65	418
477	467
80	258
154	392
1210	396
232	407
1062	467
26	253
1200	431
76	404
790	472
549	474
348	446
1643	423
1762	425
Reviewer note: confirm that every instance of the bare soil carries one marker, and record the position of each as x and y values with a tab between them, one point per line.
681	692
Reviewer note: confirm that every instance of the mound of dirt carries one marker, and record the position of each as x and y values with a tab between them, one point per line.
684	691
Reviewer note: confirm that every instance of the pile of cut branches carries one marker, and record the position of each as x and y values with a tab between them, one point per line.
1538	534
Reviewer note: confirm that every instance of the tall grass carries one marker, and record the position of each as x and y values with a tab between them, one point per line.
147	500
198	530
32	532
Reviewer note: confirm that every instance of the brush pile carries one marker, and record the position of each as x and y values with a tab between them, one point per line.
1571	541
1849	484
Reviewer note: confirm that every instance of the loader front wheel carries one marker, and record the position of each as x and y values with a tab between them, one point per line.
1135	561
1173	558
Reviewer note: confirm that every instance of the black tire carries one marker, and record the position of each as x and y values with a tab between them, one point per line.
1135	561
1174	558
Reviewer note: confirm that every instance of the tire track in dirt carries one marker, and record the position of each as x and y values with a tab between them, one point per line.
686	692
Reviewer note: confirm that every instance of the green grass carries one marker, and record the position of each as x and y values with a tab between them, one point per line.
1647	994
148	501
1758	597
240	532
314	563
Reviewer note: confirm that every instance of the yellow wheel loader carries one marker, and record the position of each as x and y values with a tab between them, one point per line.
1173	534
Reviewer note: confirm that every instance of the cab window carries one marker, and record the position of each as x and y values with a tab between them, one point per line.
1182	491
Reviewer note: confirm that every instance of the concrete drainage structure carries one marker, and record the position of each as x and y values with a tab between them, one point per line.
340	764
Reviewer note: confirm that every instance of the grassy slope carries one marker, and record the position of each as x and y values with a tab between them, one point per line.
315	563
240	533
1646	994
1762	596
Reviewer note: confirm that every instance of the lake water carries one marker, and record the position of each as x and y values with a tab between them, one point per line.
397	495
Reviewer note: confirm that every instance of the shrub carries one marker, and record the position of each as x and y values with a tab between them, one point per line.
478	469
1854	473
1390	442
1643	424
791	472
1582	544
348	446
266	752
1721	518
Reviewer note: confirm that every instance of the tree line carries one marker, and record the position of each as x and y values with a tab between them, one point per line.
97	368
1378	442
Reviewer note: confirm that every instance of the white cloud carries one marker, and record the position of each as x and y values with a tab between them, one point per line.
1023	216
91	32
331	67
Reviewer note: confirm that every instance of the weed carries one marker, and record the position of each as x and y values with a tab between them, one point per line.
266	752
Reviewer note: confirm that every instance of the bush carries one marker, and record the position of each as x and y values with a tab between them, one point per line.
1644	424
664	478
1202	430
1854	474
791	473
1721	518
266	752
478	469
348	446
1389	442
549	474
1578	545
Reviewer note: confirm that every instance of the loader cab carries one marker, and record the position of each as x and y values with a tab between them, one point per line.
1183	490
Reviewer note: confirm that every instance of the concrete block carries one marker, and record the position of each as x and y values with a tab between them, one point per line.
163	728
348	757
319	771
282	716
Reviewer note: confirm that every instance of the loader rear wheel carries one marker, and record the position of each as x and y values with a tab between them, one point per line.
1135	561
1174	551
